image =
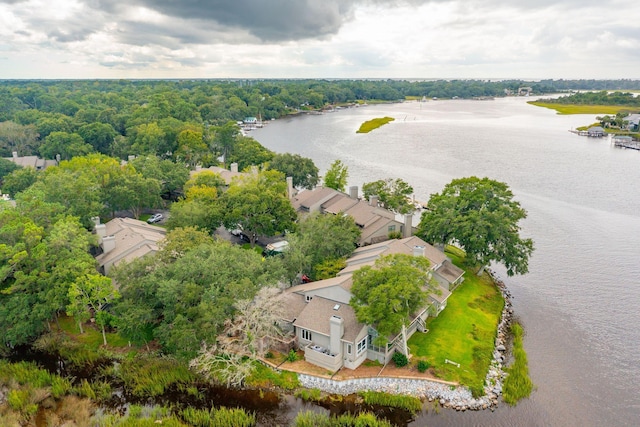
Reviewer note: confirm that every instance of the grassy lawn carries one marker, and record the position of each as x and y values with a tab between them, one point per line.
464	332
583	109
92	337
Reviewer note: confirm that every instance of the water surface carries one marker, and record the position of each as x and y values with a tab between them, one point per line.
579	302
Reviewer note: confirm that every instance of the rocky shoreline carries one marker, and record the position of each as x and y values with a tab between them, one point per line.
458	398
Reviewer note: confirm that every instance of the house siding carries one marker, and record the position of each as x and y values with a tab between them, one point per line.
352	361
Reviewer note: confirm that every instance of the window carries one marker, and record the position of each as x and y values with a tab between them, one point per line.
306	335
391	228
362	346
348	348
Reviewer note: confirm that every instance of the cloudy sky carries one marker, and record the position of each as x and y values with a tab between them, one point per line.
319	38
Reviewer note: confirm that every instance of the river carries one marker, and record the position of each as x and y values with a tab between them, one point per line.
579	301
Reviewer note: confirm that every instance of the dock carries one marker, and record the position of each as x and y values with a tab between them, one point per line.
633	145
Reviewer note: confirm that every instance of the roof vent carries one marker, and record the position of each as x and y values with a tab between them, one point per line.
336	307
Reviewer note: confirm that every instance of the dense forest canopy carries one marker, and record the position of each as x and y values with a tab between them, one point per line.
598	98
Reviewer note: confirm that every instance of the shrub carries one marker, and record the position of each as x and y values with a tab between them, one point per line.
292	356
423	365
268	355
400	360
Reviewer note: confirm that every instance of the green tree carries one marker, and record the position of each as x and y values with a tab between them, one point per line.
99	135
6	167
319	238
198	213
89	294
65	144
336	176
206	178
19	180
77	192
481	216
37	266
393	194
303	171
133	192
249	152
259	205
147	138
191	148
16	137
185	294
387	294
172	176
225	137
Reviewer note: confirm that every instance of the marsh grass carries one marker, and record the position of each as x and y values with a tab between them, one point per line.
73	352
370	125
408	403
582	109
152	376
518	384
309	395
314	419
222	417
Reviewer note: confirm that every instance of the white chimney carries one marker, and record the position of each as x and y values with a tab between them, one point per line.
95	220
108	243
290	187
408	225
130	157
14	154
101	231
373	201
418	250
234	167
336	331
353	192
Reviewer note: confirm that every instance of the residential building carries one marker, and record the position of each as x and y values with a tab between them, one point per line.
227	174
325	325
374	221
31	161
125	239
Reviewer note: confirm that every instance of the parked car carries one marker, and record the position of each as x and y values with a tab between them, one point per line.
155	218
276	248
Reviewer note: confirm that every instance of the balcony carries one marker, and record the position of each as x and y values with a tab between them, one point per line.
321	356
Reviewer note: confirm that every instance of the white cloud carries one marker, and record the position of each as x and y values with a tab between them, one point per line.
307	38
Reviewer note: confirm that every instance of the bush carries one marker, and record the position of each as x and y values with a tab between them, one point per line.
423	365
268	355
292	356
400	360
